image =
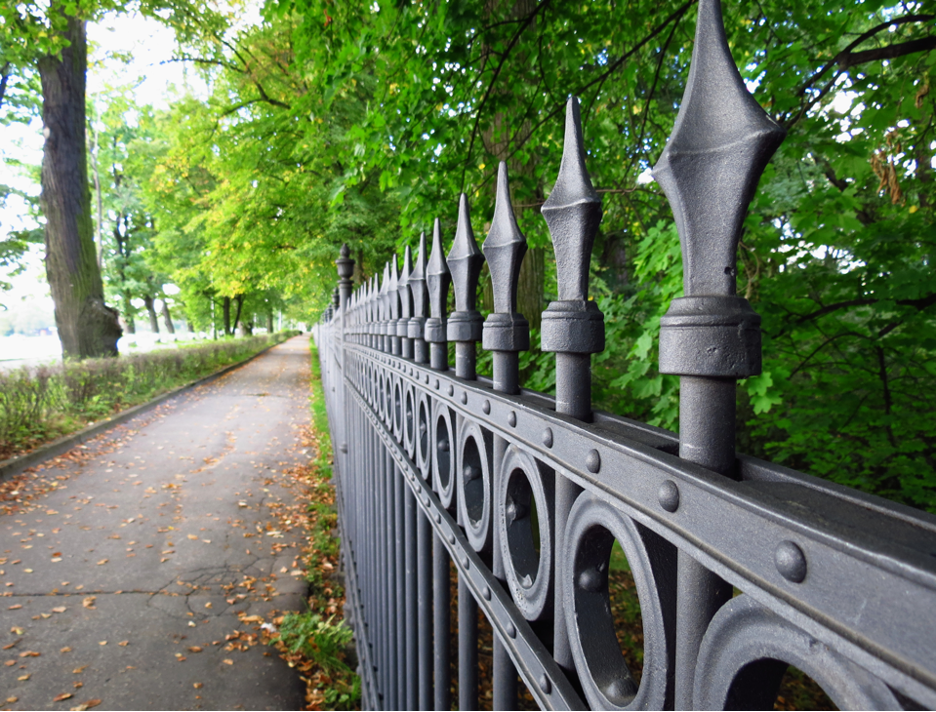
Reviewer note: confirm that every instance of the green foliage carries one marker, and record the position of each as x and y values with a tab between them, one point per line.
318	639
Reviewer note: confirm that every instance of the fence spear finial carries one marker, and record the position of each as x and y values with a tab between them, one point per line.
505	332
418	321
465	323
438	279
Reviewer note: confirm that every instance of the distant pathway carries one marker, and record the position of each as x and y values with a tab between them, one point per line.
136	576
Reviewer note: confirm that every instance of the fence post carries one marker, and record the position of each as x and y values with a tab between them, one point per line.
709	171
438	278
573	327
506	333
464	328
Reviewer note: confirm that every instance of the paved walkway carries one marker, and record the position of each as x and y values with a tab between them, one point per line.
139	570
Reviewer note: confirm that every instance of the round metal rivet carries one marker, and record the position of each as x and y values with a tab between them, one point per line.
590	579
464	398
548	437
464	562
486	407
593	461
511	631
544	684
486	592
512	419
451	390
668	495
425	499
790	561
418	489
451	538
438	518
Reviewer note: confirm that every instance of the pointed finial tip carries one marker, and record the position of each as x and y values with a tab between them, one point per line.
345	251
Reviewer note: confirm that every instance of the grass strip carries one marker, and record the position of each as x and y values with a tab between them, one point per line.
40	404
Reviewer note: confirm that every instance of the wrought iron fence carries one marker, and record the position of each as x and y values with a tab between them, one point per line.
741	567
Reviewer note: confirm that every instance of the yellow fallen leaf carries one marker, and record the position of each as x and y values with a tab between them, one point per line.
228	661
192	537
23	678
63	696
16	630
66	649
46	615
56	559
123	643
30	654
89	602
195	648
103	642
101	562
59	609
79	670
10	700
197	685
10	663
14	607
78	684
208	605
28	571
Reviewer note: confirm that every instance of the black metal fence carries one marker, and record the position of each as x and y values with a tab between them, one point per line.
741	567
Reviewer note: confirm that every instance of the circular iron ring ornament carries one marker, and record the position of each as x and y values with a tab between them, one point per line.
382	380
421	437
397	408
523	484
746	650
473	472
592	527
409	421
443	453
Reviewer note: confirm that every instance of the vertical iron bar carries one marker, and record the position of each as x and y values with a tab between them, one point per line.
710	337
402	609
506	333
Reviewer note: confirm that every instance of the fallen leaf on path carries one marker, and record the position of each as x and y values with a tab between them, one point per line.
10	645
123	643
15	630
61	697
195	648
192	536
11	700
102	562
79	670
10	663
43	615
30	654
66	649
208	605
228	661
197	685
85	706
78	684
89	602
59	609
23	678
103	642
15	607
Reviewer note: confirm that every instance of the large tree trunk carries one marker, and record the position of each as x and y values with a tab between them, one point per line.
151	310
87	327
128	313
270	322
226	307
167	317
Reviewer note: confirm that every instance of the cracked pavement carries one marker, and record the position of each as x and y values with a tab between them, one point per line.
145	561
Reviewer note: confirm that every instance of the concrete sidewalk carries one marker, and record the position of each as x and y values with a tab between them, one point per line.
140	568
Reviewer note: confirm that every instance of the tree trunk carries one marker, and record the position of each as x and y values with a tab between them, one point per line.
167	317
239	301
270	322
151	310
226	307
87	327
128	313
